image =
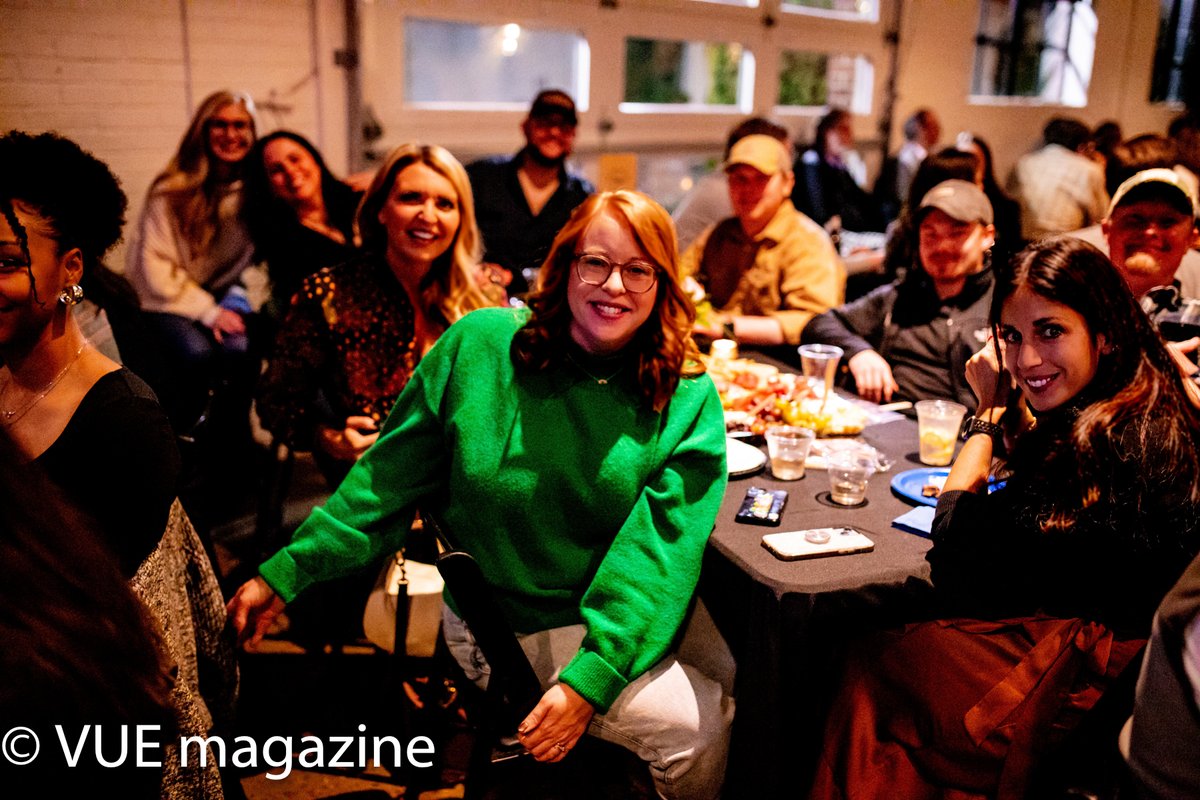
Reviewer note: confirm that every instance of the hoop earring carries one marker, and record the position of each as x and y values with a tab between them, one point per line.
72	294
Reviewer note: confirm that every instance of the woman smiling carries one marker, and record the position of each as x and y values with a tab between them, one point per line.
576	449
355	331
1048	585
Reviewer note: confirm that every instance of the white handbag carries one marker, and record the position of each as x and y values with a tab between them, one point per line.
420	586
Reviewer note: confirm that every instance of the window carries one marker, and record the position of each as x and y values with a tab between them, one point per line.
1040	49
458	65
742	3
702	75
863	10
1176	29
824	79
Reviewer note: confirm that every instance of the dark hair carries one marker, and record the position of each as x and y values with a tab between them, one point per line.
1188	121
1106	136
944	165
264	211
76	640
918	120
755	126
74	192
827	123
1136	381
663	344
1069	133
1148	151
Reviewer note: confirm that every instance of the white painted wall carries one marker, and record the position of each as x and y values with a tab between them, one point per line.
937	57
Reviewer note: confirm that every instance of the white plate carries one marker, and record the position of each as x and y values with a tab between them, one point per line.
743	459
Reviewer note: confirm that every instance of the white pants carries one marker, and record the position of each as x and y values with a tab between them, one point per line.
676	716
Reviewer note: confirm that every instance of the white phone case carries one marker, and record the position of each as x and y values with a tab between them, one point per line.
793	545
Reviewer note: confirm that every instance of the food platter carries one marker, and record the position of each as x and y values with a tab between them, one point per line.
758	396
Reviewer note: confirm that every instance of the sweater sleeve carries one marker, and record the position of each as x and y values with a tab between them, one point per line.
370	513
643	587
978	560
157	268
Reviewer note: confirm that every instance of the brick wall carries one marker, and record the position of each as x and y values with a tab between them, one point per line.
116	76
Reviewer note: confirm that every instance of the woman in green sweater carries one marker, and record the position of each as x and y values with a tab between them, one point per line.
576	449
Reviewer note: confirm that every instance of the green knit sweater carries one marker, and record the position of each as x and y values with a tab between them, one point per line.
580	503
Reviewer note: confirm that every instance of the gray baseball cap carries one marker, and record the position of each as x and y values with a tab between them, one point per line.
962	200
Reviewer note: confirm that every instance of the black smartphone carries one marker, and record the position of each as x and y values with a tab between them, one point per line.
762	507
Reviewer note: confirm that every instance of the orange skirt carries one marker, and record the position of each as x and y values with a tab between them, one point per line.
956	709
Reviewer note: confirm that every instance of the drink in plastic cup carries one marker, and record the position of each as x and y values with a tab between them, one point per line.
788	447
820	361
723	349
938	422
849	470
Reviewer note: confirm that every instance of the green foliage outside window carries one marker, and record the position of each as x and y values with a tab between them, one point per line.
802	79
723	66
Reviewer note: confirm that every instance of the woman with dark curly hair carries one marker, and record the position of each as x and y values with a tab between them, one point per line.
1049	584
300	215
95	427
575	448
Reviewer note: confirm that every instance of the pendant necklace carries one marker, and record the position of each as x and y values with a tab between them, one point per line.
600	381
11	417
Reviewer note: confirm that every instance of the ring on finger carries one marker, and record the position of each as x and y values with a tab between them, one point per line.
560	747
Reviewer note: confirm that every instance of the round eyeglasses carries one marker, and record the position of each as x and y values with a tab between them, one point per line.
636	276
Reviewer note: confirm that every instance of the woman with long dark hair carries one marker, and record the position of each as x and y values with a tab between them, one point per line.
1047	586
300	215
576	450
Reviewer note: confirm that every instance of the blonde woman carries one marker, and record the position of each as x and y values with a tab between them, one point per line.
191	246
356	331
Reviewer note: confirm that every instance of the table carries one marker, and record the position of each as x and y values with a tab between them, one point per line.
785	621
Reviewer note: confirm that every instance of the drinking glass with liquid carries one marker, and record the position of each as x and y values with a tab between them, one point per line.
787	447
849	472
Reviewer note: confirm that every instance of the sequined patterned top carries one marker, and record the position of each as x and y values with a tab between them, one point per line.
347	347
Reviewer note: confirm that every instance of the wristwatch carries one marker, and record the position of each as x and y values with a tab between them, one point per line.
976	425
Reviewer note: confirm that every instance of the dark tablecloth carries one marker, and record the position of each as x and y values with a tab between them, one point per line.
786	621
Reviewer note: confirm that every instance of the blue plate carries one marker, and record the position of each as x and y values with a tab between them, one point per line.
908	484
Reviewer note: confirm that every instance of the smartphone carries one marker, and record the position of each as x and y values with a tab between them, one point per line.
762	506
817	543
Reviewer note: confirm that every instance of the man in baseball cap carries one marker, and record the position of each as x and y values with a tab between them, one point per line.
911	340
768	269
1150	227
522	201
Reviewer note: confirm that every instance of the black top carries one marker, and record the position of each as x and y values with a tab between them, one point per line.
925	340
1114	565
823	190
293	251
513	236
117	461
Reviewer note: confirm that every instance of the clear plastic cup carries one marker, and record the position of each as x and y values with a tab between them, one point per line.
849	471
820	362
938	423
788	447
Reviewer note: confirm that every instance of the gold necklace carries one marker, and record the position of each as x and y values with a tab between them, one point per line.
600	381
11	417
